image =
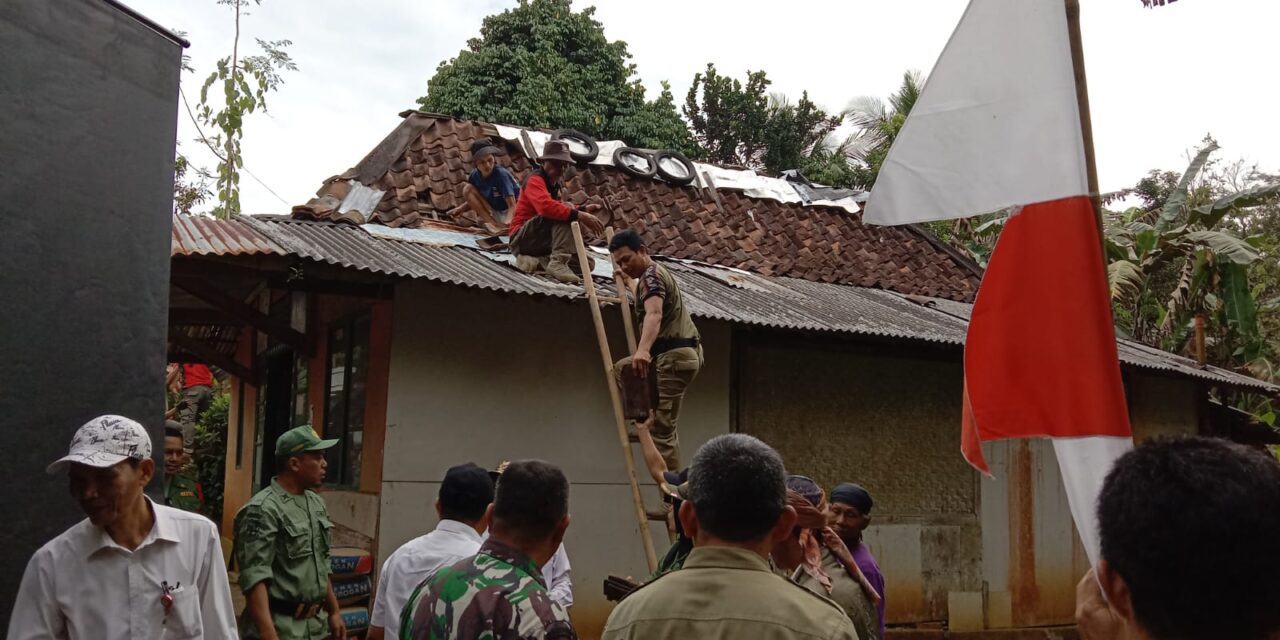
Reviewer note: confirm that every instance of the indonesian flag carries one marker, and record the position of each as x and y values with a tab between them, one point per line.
997	127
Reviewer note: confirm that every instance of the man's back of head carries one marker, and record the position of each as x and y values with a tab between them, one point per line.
465	493
737	485
531	502
1189	528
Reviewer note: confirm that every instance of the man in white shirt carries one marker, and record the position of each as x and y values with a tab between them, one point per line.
462	506
133	568
556	573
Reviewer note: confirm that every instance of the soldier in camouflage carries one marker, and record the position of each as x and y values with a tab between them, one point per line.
500	592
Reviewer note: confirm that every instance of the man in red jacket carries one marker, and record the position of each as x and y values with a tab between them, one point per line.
540	233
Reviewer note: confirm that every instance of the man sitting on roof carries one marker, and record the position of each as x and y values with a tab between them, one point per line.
668	338
491	190
540	233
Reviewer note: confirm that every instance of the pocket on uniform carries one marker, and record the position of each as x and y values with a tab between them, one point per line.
183	618
297	542
682	359
326	531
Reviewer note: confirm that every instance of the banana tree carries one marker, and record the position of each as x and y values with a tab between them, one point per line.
1172	263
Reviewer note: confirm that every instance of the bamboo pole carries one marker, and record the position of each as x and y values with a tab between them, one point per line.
1086	120
642	519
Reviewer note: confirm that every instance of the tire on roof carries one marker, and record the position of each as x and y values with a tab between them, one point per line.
635	162
674	167
582	148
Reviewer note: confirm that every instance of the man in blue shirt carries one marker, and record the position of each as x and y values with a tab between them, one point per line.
491	189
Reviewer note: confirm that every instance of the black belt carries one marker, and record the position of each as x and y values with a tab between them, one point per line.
295	610
663	345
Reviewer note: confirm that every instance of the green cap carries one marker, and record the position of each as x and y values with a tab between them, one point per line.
301	440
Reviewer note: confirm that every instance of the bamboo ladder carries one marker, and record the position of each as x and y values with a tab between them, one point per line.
606	358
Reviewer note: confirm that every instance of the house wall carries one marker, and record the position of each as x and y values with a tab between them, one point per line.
481	377
1032	557
891	423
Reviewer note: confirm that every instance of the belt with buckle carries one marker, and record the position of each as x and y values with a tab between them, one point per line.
295	610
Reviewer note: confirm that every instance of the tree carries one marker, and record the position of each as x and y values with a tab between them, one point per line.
541	64
877	125
188	192
245	85
740	124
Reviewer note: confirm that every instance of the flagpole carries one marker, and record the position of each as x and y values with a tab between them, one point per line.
1086	121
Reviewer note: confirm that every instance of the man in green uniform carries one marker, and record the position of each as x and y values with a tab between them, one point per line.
736	513
181	491
669	342
282	546
500	592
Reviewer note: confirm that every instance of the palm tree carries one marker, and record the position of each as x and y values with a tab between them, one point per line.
877	123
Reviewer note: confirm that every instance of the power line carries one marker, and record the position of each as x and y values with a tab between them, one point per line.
215	152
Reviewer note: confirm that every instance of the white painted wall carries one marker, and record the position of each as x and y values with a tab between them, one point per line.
481	377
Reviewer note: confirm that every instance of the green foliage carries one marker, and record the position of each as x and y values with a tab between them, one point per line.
877	124
740	124
189	192
245	83
209	452
541	64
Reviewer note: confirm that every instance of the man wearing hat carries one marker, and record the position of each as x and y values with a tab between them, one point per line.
850	513
180	489
133	568
491	190
282	546
540	233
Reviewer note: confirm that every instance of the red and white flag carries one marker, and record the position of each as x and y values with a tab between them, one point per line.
997	127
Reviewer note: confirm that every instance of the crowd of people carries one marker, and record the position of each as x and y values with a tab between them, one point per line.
1187	527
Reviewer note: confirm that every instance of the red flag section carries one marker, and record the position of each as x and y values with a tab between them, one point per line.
1040	357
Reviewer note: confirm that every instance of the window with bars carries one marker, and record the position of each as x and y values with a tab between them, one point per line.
347	371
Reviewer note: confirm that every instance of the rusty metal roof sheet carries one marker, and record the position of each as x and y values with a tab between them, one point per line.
712	292
208	236
1137	354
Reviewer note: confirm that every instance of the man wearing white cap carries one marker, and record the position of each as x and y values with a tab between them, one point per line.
133	568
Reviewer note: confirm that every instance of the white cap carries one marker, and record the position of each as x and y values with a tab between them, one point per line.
106	441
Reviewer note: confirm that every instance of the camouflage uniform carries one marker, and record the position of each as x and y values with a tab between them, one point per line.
498	593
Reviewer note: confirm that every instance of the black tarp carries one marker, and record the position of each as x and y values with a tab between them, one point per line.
87	142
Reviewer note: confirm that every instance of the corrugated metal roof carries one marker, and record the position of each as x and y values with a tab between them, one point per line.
729	295
350	246
1137	354
208	236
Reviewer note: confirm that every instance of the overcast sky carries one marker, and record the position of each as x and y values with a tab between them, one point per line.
1159	79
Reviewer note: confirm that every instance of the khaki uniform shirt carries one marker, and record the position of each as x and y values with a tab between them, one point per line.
727	593
284	539
676	322
846	592
183	492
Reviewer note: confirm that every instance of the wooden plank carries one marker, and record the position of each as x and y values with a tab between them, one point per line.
642	518
244	313
209	355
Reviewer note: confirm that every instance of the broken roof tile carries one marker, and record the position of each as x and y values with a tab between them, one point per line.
824	244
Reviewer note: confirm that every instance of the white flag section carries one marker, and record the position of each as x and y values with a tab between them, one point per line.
996	125
1084	463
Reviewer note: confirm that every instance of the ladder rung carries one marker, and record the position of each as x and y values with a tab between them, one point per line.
613	299
658	515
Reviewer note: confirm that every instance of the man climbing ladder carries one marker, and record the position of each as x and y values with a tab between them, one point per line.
669	345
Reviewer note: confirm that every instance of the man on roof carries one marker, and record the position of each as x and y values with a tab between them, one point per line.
491	190
669	346
540	234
